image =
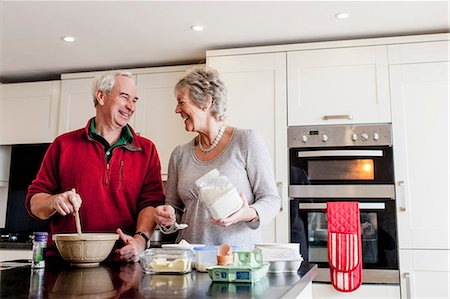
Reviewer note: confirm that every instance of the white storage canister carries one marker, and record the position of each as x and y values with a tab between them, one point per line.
218	194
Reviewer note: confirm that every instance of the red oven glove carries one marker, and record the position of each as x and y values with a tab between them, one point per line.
344	245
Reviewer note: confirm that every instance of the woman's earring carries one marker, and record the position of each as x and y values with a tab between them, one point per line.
204	109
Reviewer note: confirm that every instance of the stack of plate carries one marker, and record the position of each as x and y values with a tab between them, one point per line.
283	257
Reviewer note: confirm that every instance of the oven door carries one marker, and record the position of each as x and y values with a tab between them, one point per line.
344	172
378	234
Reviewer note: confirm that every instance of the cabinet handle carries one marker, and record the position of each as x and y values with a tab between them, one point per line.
401	190
280	193
338	116
407	277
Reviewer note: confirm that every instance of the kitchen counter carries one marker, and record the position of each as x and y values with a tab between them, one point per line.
122	280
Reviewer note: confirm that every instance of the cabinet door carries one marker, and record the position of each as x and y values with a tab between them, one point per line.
257	99
424	273
338	86
77	104
155	113
29	112
419	52
15	254
420	115
365	291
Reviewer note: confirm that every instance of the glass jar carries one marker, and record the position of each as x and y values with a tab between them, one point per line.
39	246
218	194
162	260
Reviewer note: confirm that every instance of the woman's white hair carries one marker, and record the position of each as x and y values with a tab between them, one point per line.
204	83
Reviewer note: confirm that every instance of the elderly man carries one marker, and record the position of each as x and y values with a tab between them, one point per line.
105	168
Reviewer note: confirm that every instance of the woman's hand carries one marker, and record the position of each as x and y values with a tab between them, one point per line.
165	215
65	203
245	213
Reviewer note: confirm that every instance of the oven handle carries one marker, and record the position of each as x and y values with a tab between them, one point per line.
340	153
323	206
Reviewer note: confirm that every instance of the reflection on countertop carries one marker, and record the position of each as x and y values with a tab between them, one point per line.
120	280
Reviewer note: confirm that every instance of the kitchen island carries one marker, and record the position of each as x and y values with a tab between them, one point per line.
120	280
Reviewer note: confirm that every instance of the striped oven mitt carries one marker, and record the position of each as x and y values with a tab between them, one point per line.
344	245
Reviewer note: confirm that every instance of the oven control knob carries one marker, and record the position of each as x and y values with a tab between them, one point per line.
304	138
324	138
364	136
376	136
354	137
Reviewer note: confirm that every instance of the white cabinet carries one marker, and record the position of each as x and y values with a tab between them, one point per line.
425	274
155	116
419	80
77	104
338	86
15	254
365	291
420	103
256	87
29	112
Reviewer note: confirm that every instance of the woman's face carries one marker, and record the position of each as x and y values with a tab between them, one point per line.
195	118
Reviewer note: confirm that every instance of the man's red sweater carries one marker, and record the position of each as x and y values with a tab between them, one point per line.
113	193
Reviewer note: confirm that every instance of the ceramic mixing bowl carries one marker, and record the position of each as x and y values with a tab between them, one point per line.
85	250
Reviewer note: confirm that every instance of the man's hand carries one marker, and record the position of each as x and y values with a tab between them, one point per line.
65	203
133	247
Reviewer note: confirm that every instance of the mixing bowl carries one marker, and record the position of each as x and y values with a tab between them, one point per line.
85	250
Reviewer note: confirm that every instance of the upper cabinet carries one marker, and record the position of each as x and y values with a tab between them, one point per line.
29	112
419	52
77	104
155	116
338	86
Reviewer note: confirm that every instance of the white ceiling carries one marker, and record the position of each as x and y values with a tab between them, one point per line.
128	34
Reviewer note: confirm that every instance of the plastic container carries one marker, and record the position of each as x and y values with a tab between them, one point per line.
169	261
218	194
206	256
39	246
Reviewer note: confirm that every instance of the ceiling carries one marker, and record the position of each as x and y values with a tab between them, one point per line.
130	34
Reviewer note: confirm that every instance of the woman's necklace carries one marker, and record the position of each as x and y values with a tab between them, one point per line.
215	142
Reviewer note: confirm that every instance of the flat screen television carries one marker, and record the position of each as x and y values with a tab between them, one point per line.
26	160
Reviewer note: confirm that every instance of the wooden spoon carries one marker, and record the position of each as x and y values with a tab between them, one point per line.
77	216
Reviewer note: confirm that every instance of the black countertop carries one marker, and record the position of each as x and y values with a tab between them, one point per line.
120	280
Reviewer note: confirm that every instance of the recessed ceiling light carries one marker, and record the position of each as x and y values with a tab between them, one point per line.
342	15
69	39
197	27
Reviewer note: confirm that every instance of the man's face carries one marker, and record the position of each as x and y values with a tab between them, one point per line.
119	105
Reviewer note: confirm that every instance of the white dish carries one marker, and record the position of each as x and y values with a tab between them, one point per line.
285	266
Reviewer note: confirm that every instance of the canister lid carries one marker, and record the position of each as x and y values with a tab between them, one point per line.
206	177
40	236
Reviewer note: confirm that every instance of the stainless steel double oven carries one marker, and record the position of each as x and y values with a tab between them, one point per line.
344	163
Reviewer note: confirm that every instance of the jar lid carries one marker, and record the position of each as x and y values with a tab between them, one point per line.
206	177
40	236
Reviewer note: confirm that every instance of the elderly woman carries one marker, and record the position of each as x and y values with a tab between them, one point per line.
239	154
